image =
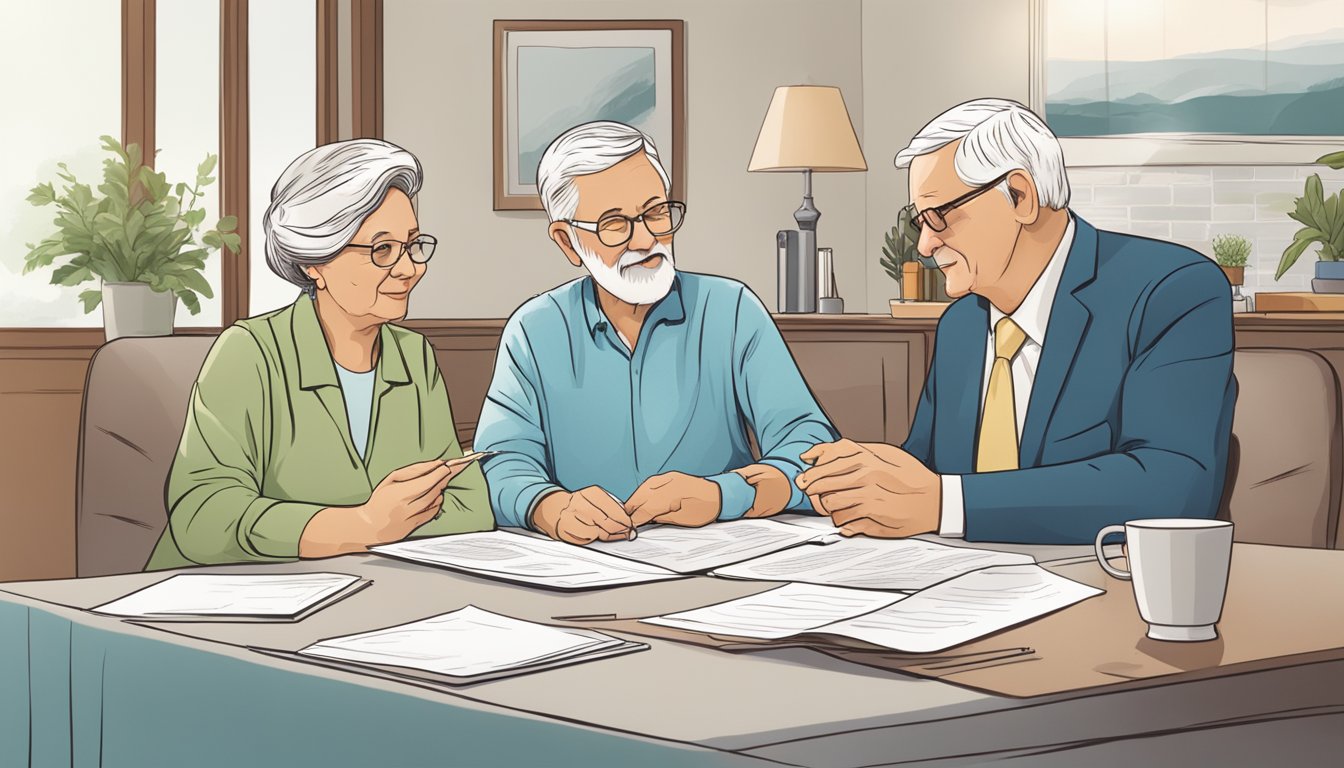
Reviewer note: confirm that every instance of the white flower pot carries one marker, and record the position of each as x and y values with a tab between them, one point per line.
134	309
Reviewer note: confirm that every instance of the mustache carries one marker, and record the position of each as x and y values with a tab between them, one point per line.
632	257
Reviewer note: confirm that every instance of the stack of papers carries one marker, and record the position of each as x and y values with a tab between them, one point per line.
470	645
526	560
957	611
861	562
759	550
693	550
235	597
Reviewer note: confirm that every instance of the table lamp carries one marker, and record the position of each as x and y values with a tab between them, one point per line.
806	128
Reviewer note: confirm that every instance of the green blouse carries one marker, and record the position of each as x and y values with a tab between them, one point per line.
267	442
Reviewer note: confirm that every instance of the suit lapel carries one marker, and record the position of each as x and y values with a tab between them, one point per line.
960	378
1069	320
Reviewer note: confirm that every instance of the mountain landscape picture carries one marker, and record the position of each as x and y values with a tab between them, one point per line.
1292	84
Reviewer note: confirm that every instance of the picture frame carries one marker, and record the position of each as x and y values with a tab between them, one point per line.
1167	147
552	75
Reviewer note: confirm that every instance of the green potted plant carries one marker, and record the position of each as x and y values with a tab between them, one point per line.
901	261
137	234
1322	220
1231	252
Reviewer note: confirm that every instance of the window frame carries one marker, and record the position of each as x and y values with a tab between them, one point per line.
138	110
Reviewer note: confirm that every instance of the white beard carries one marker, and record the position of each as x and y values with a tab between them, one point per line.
631	284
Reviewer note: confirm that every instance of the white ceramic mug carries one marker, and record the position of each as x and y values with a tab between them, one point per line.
1179	567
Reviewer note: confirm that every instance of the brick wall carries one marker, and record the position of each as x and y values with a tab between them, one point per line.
1193	204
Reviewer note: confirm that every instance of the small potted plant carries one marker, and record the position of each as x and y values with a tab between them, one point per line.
1322	220
137	234
1231	252
901	261
900	248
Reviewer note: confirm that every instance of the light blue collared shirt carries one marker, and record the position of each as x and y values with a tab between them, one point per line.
357	390
571	406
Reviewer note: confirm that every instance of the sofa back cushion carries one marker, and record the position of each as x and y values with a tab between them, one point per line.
135	404
1283	477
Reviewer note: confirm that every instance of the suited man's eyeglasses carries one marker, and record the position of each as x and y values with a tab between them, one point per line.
936	218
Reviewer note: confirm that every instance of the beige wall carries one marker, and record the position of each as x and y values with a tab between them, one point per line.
437	103
915	65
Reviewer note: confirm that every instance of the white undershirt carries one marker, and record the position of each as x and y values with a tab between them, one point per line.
1032	317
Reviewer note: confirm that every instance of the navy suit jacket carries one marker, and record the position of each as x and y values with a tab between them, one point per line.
1131	409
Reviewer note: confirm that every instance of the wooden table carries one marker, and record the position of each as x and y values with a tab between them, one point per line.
76	688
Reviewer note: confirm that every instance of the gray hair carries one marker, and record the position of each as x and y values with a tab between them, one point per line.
587	149
322	198
997	136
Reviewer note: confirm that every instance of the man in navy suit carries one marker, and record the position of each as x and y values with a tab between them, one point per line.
1082	378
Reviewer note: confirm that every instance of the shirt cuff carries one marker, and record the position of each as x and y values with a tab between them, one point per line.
527	502
735	495
277	531
798	500
952	518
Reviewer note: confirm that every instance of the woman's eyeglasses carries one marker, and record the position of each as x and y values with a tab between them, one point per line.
386	253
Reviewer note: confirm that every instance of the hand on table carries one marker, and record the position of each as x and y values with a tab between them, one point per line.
872	489
772	487
675	498
582	517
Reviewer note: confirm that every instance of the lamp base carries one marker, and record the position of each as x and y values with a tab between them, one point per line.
802	273
831	305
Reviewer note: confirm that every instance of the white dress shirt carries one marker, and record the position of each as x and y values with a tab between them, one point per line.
1032	317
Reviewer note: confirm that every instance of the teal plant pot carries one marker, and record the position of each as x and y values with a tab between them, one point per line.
1330	270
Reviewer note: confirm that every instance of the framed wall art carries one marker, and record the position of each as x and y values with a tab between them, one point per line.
552	75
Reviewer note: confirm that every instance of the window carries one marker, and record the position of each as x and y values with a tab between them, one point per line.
282	95
187	117
1142	81
56	110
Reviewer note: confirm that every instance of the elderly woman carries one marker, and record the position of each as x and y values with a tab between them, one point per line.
321	428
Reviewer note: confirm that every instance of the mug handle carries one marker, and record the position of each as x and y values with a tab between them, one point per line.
1101	556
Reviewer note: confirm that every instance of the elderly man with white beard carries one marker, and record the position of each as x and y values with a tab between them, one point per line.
629	396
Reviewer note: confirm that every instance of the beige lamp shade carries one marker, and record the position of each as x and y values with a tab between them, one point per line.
807	128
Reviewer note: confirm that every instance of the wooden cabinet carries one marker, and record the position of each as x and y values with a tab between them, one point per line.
41	392
865	371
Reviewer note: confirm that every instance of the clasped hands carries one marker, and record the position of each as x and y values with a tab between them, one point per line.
674	498
872	489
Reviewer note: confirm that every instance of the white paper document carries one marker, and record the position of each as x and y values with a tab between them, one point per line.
469	642
691	550
814	522
862	562
968	607
526	560
263	596
781	612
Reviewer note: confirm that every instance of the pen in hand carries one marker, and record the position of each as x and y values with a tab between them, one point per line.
463	461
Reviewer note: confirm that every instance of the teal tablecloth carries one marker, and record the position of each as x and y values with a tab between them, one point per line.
76	695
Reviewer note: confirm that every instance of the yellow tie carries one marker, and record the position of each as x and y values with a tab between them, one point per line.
998	425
